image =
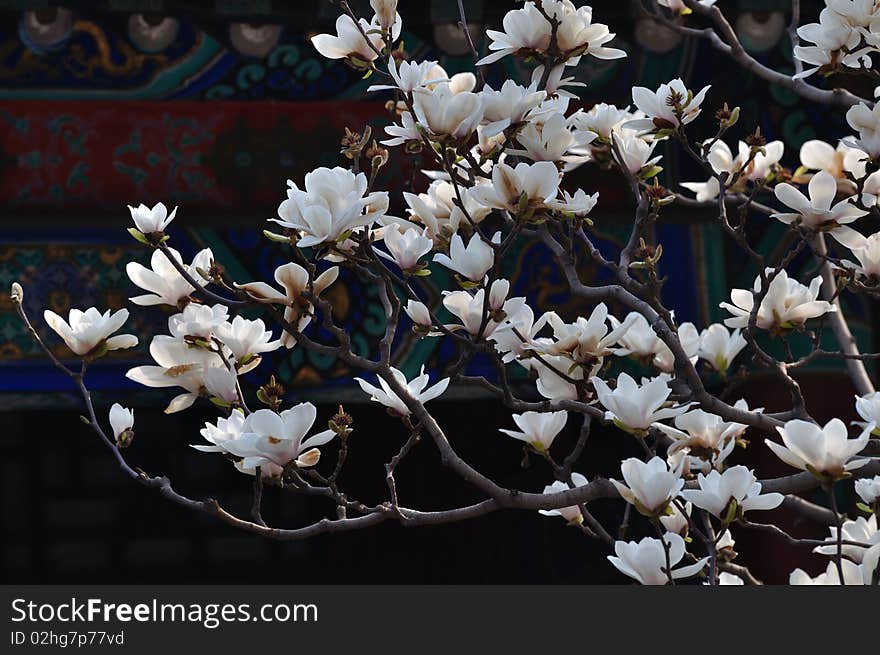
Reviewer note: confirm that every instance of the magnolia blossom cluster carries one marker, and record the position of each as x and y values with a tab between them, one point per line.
497	160
846	36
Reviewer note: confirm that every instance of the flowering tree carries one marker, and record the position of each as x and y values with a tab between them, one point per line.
499	159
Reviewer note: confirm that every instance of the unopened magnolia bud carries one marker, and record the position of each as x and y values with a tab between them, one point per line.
271	393
727	117
341	422
756	140
16	293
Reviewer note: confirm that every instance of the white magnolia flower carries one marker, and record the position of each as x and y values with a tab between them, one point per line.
407	131
149	220
272	441
633	153
246	339
787	304
514	345
704	441
858	13
869	565
816	155
408	76
571	514
538	429
868	407
458	83
221	385
121	420
677	521
417	389
737	484
688	337
587	340
439	212
537	184
553	140
406	246
868	489
167	286
349	42
332	205
556	84
579	204
295	280
852	575
761	165
836	43
578	35
510	105
177	365
645	560
602	119
744	166
865	121
197	321
227	430
471	262
668	107
862	530
867	252
824	451
418	313
524	29
640	341
818	212
470	309
550	384
707	435
720	347
650	486
446	113
635	408
386	14
85	331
